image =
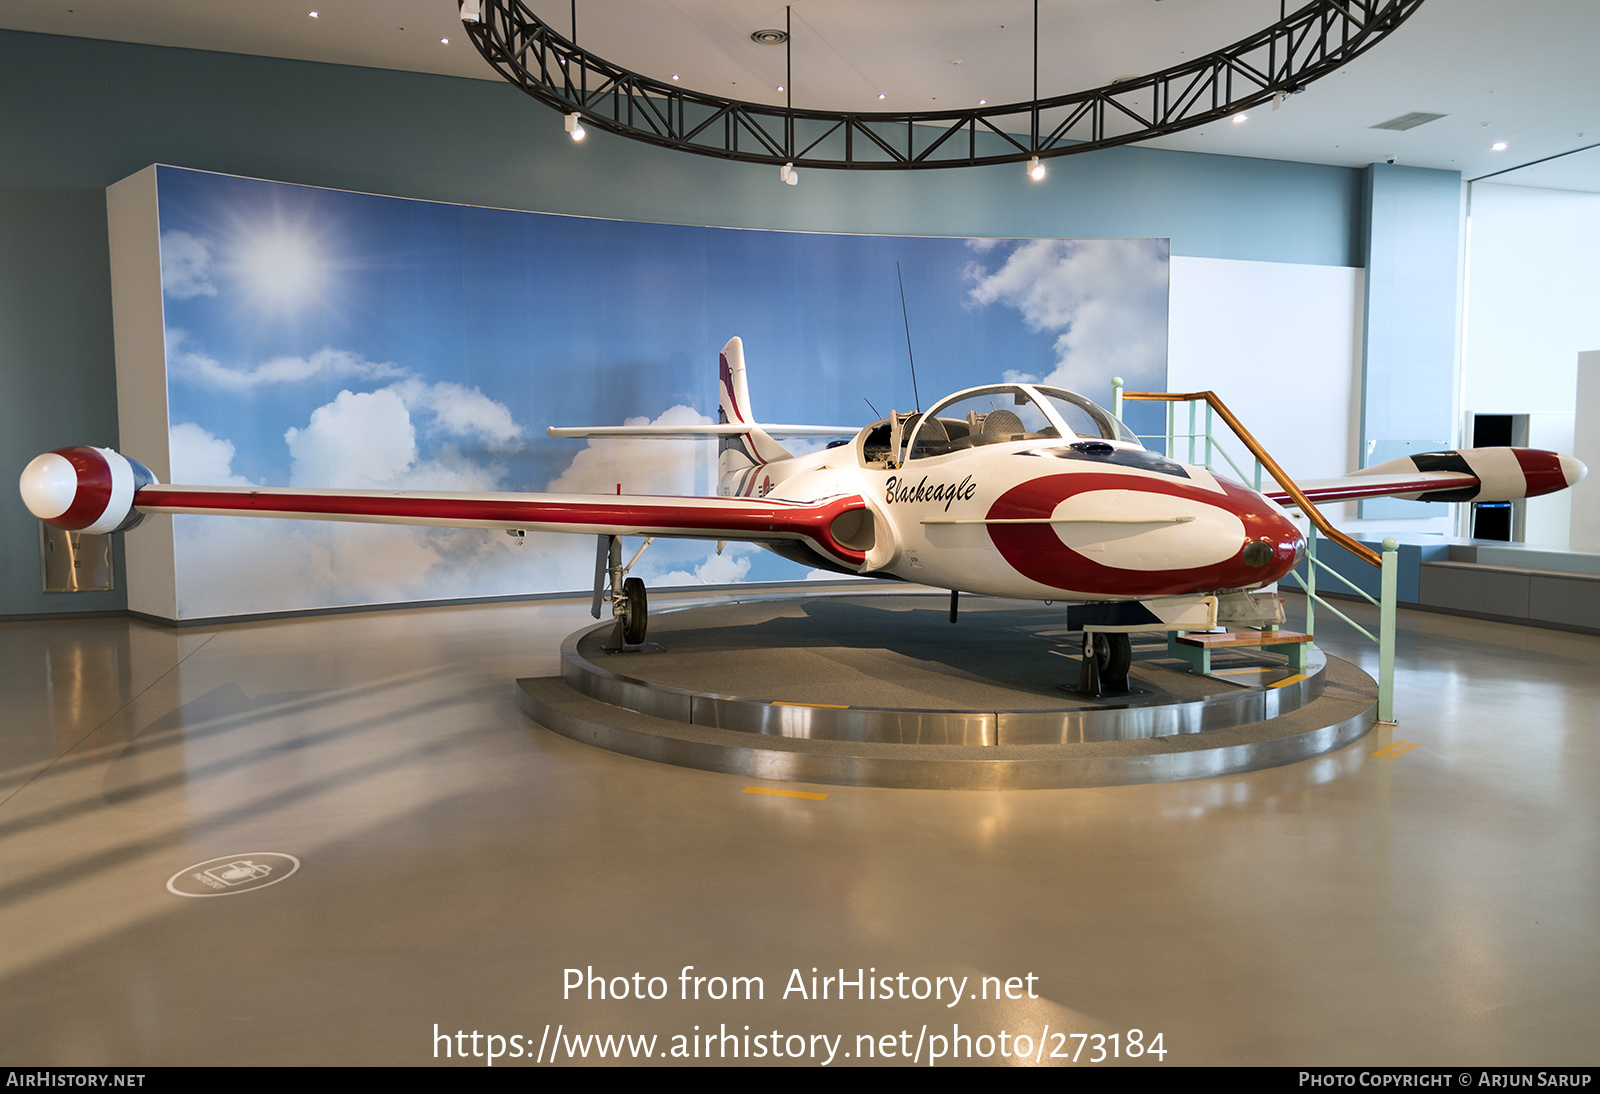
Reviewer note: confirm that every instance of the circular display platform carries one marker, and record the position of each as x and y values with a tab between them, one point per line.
884	691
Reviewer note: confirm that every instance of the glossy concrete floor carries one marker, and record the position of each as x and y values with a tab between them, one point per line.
1435	905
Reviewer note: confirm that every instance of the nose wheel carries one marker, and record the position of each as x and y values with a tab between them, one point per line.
1104	668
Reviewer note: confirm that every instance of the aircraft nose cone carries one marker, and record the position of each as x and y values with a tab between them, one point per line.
1274	548
1572	470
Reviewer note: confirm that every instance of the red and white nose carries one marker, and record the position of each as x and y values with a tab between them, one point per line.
84	489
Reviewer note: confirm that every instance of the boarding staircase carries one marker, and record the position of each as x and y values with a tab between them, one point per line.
1204	449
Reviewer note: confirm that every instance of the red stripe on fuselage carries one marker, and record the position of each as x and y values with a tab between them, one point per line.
1037	552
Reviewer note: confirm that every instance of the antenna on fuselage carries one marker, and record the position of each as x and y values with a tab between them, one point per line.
870	407
906	316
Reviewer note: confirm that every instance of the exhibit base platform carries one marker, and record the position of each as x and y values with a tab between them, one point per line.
885	691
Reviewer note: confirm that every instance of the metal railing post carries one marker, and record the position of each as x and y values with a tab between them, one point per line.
1311	580
1172	410
1208	437
1386	611
1192	409
1116	397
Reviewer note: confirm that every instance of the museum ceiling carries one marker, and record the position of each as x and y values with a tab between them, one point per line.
1516	74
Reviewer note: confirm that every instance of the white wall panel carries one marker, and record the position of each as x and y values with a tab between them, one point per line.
1281	344
1532	291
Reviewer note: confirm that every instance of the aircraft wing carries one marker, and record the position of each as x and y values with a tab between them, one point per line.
1355	487
1471	474
740	519
98	490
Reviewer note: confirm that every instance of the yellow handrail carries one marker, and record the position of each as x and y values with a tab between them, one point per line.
1360	550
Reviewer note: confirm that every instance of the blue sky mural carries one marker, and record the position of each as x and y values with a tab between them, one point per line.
325	338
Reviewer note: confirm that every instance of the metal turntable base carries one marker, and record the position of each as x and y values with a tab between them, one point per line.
884	691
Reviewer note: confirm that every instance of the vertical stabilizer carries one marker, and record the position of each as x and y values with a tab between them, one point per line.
744	456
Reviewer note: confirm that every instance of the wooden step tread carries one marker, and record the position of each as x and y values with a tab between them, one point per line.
1243	638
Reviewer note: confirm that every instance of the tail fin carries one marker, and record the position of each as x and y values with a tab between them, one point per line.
744	455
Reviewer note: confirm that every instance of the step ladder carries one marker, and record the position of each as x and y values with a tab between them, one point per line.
1196	648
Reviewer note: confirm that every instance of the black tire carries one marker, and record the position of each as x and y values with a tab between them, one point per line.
637	615
1114	655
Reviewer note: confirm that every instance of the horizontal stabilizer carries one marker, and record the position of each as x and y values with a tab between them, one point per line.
688	432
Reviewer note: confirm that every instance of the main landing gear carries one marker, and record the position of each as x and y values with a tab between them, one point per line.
629	604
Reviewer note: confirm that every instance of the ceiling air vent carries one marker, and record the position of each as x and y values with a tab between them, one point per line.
1408	121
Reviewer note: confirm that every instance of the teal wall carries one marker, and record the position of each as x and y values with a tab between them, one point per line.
1412	253
77	115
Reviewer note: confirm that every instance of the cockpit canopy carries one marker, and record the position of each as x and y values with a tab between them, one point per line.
992	415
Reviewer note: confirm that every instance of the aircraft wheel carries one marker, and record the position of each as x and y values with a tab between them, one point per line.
1114	655
636	611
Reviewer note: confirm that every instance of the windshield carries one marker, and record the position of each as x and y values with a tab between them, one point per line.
1085	418
1017	412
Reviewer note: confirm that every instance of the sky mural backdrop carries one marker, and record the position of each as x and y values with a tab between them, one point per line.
327	339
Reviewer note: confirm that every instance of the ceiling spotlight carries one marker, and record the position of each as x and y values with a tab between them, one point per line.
1499	146
788	174
312	14
674	77
881	96
472	11
1237	118
769	37
983	102
444	41
575	126
780	87
1036	170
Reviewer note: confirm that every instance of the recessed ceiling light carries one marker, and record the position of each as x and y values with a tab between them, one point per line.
770	37
444	41
780	87
674	77
312	14
1237	118
983	102
882	96
1499	146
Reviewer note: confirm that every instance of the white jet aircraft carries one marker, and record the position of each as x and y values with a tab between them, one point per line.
1010	490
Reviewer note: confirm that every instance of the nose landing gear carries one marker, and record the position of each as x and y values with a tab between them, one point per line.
1104	668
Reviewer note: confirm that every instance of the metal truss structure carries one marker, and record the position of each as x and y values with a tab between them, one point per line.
1281	59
